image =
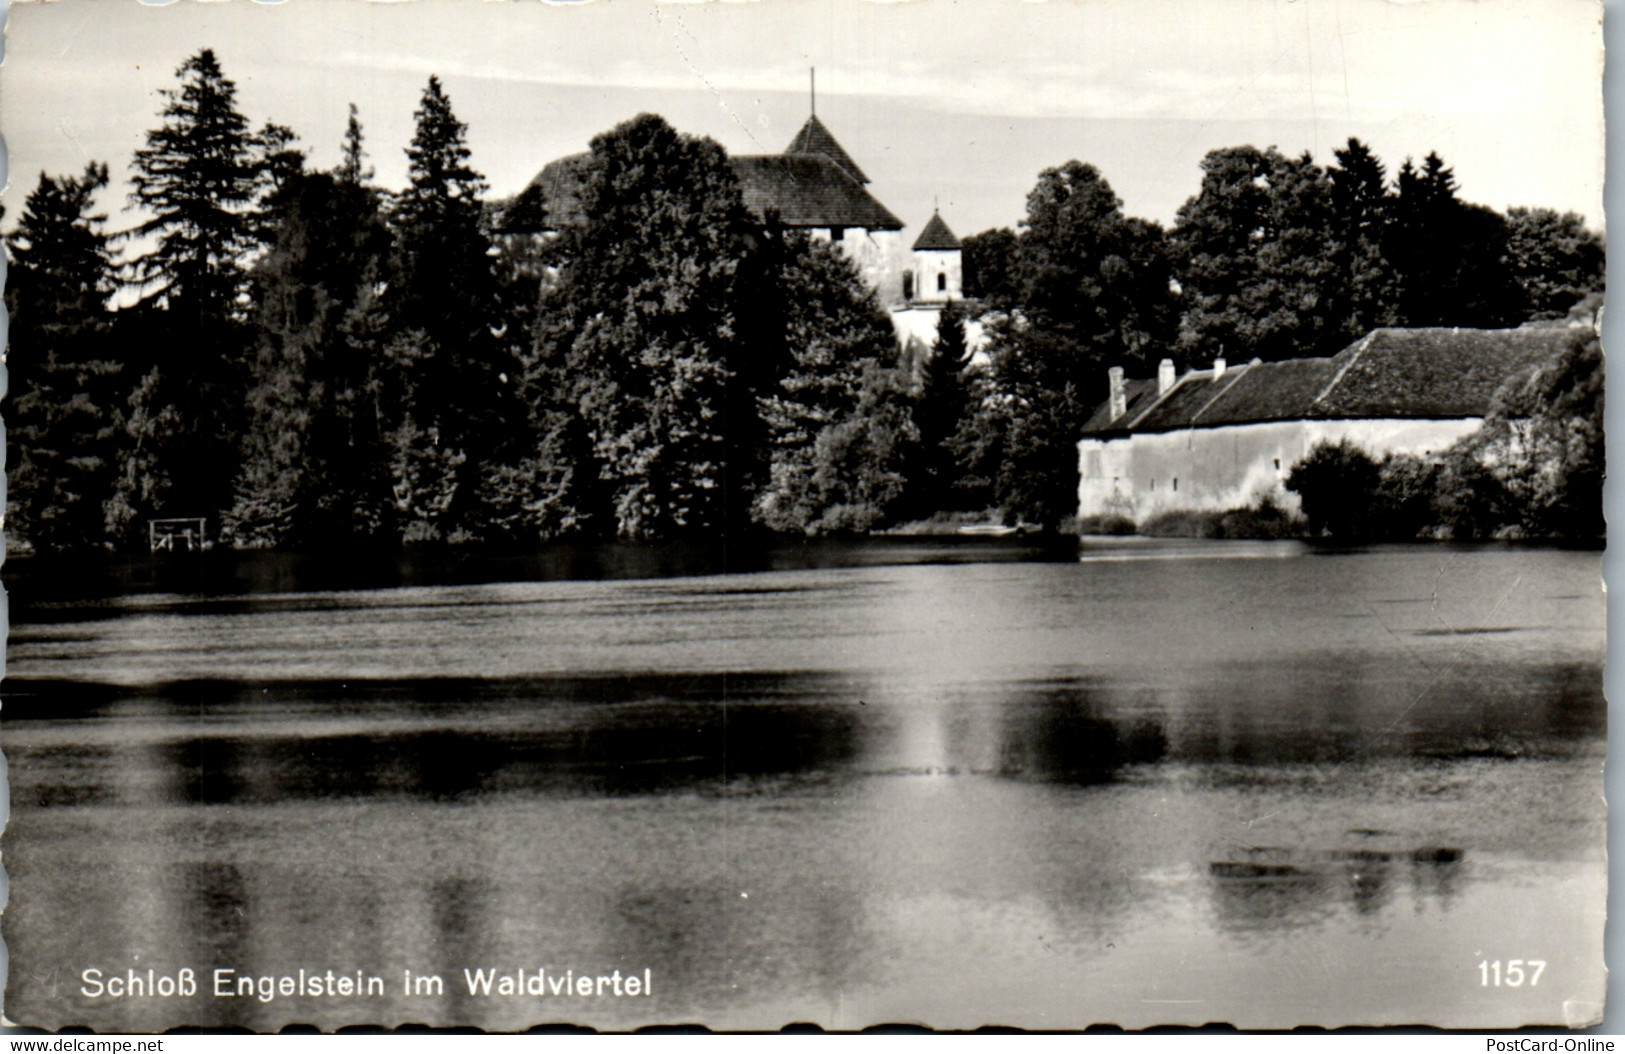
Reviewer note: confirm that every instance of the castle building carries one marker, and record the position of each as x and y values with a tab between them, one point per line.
814	186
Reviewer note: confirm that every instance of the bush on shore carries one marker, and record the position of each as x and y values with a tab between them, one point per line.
1533	470
1106	523
1264	520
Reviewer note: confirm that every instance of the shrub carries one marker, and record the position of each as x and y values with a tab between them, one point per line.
1182	523
1403	505
1338	484
1265	520
1470	501
1106	523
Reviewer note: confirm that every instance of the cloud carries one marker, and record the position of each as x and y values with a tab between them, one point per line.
1334	59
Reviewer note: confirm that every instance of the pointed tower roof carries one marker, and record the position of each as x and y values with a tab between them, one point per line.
814	138
936	235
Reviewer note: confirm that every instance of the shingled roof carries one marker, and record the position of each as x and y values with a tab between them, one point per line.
1423	374
1138	396
1184	403
814	138
1272	392
809	190
936	235
802	189
1432	372
552	200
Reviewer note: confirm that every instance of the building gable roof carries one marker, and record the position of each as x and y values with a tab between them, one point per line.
1182	404
1431	372
1274	392
1138	397
814	138
551	201
1419	374
803	190
936	235
809	190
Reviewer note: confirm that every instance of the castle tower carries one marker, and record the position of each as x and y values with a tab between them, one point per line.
938	266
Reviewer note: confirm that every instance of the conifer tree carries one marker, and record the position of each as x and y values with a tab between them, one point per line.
1449	256
449	379
939	409
63	412
1364	290
197	179
353	168
198	183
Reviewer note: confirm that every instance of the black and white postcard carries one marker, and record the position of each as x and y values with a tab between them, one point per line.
804	513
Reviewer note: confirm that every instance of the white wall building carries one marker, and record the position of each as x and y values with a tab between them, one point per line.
1227	437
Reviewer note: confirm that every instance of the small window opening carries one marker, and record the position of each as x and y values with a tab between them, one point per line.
1153	485
1277	464
942	283
1176	482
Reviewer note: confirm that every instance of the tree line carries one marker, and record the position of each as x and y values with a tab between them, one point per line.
1273	258
309	360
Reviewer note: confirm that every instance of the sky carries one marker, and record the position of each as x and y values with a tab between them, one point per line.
953	103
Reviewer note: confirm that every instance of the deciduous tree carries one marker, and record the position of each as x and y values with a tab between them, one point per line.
1091	289
652	329
832	406
313	464
1257	262
1555	260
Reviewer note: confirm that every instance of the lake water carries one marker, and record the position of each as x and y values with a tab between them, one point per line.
1165	782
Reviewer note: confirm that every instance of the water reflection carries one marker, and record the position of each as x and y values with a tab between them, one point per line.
1067	739
39	585
1272	890
895	819
434	740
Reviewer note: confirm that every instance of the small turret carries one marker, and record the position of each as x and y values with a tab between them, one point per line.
938	263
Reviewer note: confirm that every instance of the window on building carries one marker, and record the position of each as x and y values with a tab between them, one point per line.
837	233
942	283
1153	485
908	285
1277	464
1176	482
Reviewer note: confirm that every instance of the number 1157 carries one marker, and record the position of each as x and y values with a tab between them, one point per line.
1491	974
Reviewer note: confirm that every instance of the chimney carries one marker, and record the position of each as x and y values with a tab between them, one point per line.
1218	367
1119	399
1165	375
